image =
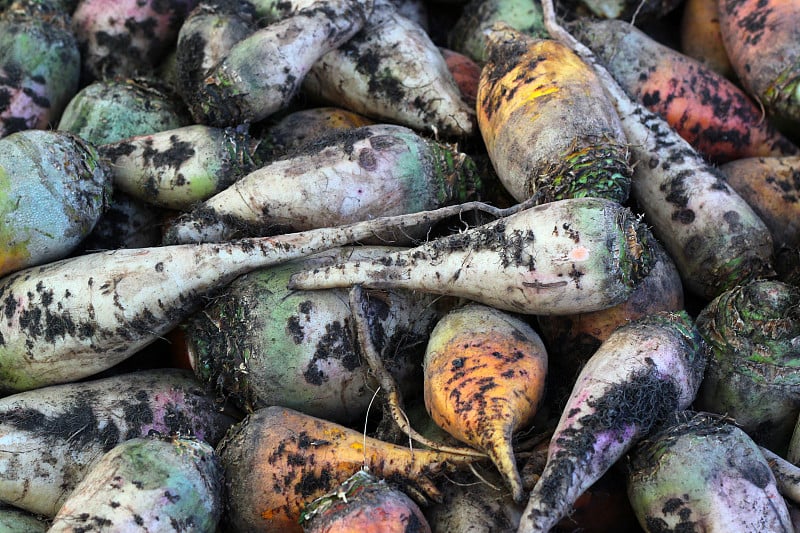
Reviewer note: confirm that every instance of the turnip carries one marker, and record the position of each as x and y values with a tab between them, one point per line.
358	174
392	71
570	256
179	168
39	65
701	473
643	372
753	375
263	72
50	437
364	503
73	318
147	484
549	128
54	188
716	239
261	344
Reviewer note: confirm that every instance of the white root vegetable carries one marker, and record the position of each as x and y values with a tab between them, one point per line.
640	374
50	437
74	318
564	257
787	475
716	240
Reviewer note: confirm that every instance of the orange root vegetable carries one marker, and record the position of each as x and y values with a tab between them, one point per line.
701	37
366	504
761	39
714	115
549	128
484	376
466	73
277	460
771	186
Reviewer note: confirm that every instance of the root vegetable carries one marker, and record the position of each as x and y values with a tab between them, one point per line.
770	186
759	37
126	37
147	484
393	72
277	460
752	376
716	239
261	344
179	168
717	118
787	475
564	257
701	38
484	376
699	473
364	503
548	126
345	177
50	437
53	190
466	73
469	33
39	65
262	73
73	318
643	372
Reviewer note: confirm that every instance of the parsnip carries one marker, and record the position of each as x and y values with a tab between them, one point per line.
564	257
50	437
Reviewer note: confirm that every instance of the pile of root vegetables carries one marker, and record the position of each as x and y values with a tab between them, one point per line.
399	265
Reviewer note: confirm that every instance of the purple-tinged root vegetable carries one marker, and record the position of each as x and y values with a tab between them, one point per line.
39	66
182	167
753	375
701	473
53	190
262	73
643	372
147	484
50	437
393	72
344	177
570	256
126	37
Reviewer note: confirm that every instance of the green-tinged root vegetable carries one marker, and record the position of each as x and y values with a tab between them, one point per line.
787	475
50	437
570	256
392	71
754	373
770	186
643	372
14	520
634	11
53	190
484	377
39	66
111	110
760	38
358	174
73	318
700	473
715	238
147	484
548	126
572	339
181	167
260	344
717	118
262	73
367	504
469	33
278	460
126	37
206	37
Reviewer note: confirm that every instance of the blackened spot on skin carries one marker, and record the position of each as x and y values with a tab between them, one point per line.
651	99
367	159
684	216
173	157
756	473
116	150
337	343
295	329
415	525
311	484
